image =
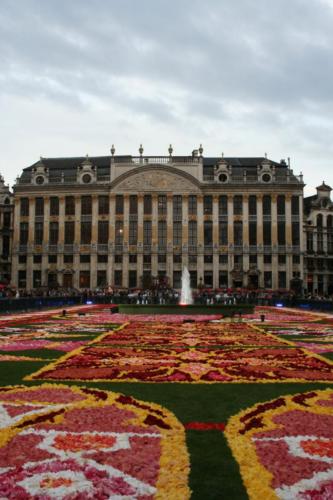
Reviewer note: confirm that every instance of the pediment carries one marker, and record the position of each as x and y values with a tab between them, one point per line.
155	179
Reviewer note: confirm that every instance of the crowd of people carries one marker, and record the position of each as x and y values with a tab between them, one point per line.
204	296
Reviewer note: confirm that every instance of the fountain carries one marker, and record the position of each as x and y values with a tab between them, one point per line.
186	294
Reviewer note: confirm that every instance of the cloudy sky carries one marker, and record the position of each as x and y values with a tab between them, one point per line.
244	77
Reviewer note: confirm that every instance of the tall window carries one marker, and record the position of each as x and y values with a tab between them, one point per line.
281	233
119	232
103	205
133	232
295	233
147	204
5	246
24	207
267	233
22	278
208	205
294	205
37	278
85	233
252	233
118	277
6	219
223	233
39	206
103	232
84	279
238	204
39	233
309	241
223	205
252	204
282	279
147	232
69	205
53	233
86	205
177	206
177	233
54	205
119	204
281	204
133	204
266	205
319	221
192	205
101	278
162	233
208	233
162	204
69	232
238	233
192	233
330	234
24	232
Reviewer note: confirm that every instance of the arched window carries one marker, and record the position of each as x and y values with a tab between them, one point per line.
319	221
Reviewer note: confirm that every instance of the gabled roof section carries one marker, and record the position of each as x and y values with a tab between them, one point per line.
324	187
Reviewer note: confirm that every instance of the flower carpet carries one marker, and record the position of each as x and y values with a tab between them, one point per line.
193	352
285	447
61	442
101	405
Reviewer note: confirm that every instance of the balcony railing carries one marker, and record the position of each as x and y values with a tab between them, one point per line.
102	248
68	248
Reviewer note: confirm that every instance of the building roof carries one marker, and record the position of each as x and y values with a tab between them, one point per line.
67	167
324	187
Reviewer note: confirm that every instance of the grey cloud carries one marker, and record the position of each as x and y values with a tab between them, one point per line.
258	65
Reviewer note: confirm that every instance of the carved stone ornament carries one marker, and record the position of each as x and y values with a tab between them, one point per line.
156	180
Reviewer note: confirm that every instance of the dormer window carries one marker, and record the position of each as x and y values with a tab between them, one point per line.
266	178
86	178
223	178
40	179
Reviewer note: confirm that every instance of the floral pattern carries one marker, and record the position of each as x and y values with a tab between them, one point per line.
188	353
285	447
75	443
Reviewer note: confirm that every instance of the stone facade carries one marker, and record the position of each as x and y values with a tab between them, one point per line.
6	231
109	221
318	233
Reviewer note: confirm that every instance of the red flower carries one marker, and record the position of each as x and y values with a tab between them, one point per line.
204	426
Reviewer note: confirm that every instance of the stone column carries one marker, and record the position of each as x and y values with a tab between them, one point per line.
200	230
77	241
154	229
94	242
230	238
154	219
31	242
246	260
289	263
303	239
275	261
110	268
139	264
169	252
185	231
260	239
46	229
215	241
16	243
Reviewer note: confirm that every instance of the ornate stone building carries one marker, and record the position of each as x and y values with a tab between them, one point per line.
92	222
6	231
318	229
